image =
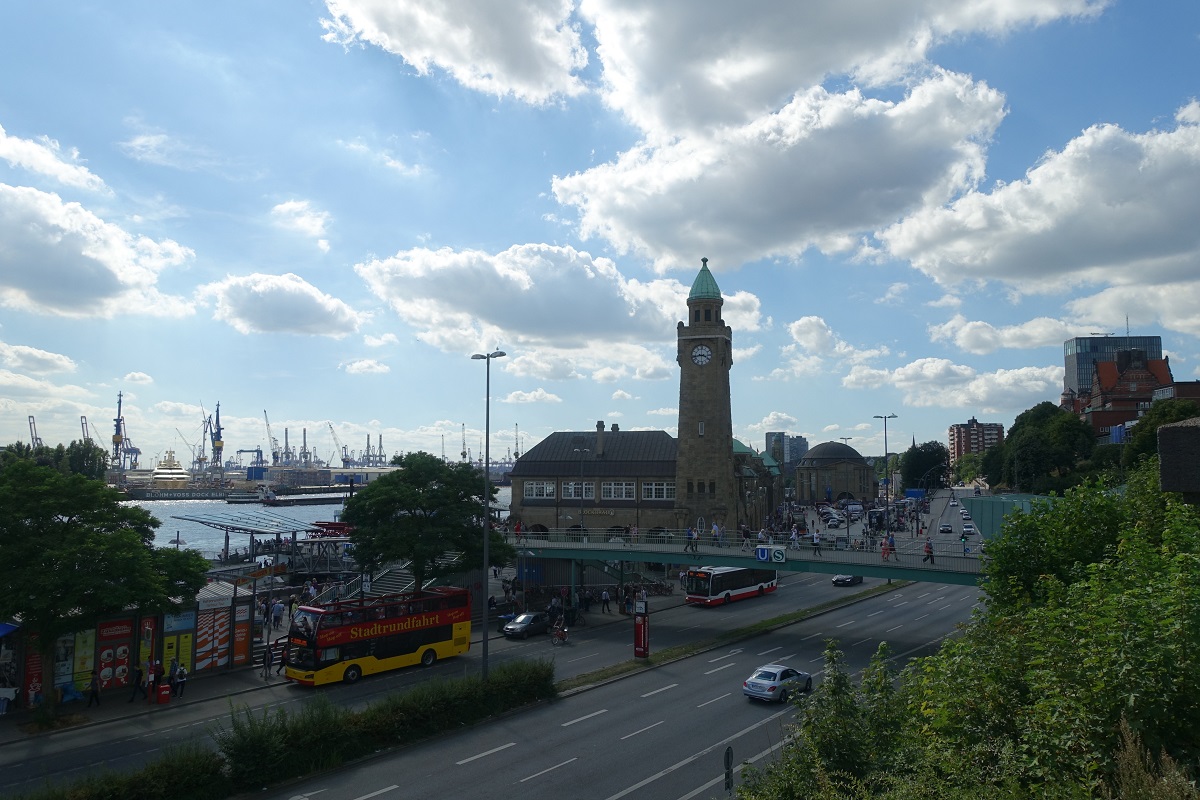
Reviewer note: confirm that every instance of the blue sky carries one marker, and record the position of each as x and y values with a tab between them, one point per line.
321	210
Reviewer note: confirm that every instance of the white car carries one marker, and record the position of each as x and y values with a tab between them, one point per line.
968	529
953	502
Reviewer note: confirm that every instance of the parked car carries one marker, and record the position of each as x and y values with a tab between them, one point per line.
525	624
775	682
833	522
945	527
846	580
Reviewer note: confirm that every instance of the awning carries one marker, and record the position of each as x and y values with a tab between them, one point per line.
6	628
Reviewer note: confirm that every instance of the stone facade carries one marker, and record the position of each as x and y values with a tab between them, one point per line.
834	471
705	486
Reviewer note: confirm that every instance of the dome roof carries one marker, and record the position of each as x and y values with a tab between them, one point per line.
828	453
705	285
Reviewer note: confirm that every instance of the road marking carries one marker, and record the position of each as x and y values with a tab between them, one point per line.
880	611
817	660
730	654
860	641
923	616
588	716
926	594
948	605
715	699
377	792
898	627
814	636
935	600
549	769
844	624
643	730
581	658
718	669
900	604
772	650
663	689
486	753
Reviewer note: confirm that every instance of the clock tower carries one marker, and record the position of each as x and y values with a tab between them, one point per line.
704	479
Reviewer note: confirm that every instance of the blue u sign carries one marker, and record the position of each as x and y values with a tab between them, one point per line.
762	553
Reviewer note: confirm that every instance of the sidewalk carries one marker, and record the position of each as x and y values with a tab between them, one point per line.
225	682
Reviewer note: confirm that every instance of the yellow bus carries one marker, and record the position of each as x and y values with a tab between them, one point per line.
351	638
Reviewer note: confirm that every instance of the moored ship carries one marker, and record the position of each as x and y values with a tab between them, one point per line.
170	481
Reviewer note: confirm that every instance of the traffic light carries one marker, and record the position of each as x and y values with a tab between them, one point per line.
962	537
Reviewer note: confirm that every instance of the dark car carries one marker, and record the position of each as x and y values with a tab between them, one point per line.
945	527
525	624
846	580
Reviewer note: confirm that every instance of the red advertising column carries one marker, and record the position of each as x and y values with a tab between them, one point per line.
641	629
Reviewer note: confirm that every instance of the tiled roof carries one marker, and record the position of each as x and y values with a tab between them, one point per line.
643	453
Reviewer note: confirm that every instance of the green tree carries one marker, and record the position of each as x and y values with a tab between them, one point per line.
77	553
419	514
1143	440
925	466
79	458
967	468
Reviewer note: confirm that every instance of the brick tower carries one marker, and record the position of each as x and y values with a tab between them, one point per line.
704	479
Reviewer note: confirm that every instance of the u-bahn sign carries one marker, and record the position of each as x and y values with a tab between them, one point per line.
771	554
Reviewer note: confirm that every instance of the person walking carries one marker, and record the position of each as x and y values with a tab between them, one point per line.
892	546
604	598
94	689
283	656
171	675
816	543
268	661
181	679
139	683
928	552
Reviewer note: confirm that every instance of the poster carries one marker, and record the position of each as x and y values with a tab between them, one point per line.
64	659
114	639
241	634
221	636
146	642
205	657
85	658
185	650
33	673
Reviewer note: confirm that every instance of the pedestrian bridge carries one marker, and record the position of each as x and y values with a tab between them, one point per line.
950	563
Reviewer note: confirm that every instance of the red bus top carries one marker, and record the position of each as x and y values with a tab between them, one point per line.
368	617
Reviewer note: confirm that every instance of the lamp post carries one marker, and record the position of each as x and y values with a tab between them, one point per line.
887	477
581	451
487	491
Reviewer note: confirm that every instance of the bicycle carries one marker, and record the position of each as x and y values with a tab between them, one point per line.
558	636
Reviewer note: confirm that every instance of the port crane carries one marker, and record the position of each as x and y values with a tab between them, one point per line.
87	435
124	454
341	448
218	445
35	441
272	442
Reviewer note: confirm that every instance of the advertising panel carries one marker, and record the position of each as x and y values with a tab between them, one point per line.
115	639
205	657
146	637
241	634
33	673
221	636
64	659
85	658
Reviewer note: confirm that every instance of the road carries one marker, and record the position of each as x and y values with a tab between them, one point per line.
661	733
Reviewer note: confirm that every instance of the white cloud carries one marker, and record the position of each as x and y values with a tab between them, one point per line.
287	303
380	341
154	146
301	217
621	394
86	267
813	344
364	366
45	157
538	395
528	50
18	390
137	377
663	412
33	359
938	382
982	337
833	164
1113	209
384	157
894	294
775	421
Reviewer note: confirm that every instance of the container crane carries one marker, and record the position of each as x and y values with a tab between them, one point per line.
272	442
341	449
218	445
124	454
87	435
35	441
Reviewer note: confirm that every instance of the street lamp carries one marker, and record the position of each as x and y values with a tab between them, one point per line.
581	451
887	508
487	492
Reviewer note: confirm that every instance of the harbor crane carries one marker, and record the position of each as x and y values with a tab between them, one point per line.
272	442
218	445
341	448
35	441
464	438
87	435
124	454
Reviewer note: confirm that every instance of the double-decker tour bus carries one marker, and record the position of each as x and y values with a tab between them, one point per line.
350	638
713	586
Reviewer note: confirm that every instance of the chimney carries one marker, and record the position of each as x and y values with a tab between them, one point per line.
599	439
615	428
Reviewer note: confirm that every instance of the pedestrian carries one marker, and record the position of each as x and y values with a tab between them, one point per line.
283	658
816	543
268	661
892	545
181	679
139	685
277	614
682	578
604	598
172	673
794	540
928	551
628	603
94	689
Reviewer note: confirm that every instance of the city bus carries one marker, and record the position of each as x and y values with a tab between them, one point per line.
348	639
712	586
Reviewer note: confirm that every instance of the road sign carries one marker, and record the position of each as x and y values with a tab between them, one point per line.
771	554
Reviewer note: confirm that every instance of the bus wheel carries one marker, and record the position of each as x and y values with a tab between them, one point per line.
728	598
427	658
352	675
761	591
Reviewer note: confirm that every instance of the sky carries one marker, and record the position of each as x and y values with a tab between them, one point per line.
315	213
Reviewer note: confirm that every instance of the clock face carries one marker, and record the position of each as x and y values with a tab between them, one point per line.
701	354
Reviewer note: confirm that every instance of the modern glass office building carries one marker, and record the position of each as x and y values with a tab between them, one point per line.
1080	352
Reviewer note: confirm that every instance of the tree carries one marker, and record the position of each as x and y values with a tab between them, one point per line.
924	466
80	554
419	514
1143	441
967	468
79	458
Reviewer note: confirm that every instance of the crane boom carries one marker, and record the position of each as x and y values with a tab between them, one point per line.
272	442
341	450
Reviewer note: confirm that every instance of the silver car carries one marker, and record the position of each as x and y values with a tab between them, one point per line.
775	682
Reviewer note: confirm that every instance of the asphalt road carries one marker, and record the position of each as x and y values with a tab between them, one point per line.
662	733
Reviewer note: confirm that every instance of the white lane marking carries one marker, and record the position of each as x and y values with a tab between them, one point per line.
738	769
730	654
486	753
582	658
723	666
925	594
901	604
844	624
772	650
935	600
923	616
643	730
549	769
663	689
874	613
943	608
377	793
860	641
898	627
715	699
680	764
815	635
588	716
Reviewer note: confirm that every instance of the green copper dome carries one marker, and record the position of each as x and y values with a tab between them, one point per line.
705	285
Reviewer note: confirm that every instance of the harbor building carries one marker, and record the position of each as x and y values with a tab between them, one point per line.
614	479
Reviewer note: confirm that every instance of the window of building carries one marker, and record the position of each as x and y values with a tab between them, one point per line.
618	490
539	490
570	490
708	315
691	489
658	490
712	488
700	427
697	315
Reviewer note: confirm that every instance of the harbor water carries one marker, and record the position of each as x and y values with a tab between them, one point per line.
209	540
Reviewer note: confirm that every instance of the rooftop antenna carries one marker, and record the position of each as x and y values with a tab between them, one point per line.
464	440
